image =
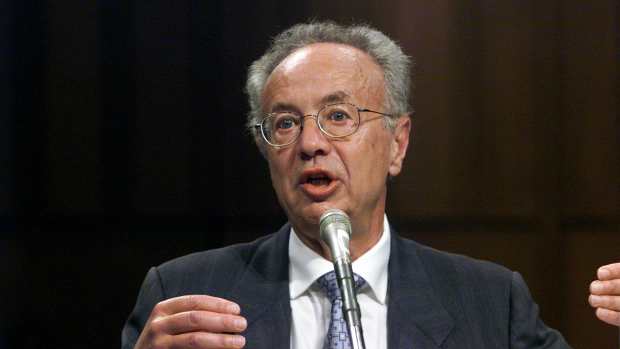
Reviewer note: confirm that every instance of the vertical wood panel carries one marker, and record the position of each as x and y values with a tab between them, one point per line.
506	130
116	44
163	117
30	127
7	100
74	110
591	177
427	185
480	143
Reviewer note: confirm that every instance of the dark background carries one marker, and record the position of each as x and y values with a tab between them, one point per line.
122	145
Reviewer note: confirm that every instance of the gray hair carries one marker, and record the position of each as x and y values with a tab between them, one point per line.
388	55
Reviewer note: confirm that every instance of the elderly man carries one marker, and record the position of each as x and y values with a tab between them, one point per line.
329	112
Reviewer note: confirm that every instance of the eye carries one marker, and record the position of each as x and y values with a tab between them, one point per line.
285	122
338	116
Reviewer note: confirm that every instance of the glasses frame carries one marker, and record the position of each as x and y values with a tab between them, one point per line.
316	119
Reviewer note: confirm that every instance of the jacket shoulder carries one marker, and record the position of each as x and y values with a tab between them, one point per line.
494	298
442	261
478	285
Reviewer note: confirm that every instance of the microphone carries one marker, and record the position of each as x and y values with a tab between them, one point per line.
335	231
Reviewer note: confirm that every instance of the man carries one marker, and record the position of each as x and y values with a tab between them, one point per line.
329	112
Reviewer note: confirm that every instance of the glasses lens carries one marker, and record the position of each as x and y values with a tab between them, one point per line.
281	128
339	120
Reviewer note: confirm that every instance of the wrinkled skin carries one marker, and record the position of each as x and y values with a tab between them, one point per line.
359	164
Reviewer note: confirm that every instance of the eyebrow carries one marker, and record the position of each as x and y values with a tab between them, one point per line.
338	96
278	107
335	97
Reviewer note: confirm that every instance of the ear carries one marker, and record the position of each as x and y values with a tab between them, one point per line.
400	142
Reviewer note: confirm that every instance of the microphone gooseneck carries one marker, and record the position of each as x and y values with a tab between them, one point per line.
335	231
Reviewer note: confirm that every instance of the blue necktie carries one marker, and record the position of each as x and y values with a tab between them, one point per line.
337	335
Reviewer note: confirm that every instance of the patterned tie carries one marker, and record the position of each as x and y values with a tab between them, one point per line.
338	335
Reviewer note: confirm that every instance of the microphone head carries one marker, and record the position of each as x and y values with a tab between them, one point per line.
335	231
334	219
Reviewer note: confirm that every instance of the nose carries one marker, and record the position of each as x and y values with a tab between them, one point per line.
312	141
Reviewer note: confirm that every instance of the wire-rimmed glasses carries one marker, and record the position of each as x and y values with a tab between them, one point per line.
336	120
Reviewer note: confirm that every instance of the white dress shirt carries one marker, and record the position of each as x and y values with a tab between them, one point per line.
310	307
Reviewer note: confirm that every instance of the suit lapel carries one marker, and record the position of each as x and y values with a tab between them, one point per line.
416	318
263	293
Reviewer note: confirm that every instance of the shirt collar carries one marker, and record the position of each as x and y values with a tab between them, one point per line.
306	266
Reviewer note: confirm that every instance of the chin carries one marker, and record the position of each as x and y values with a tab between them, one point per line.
313	212
311	215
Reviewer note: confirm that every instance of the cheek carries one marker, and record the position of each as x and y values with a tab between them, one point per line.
376	146
279	169
371	158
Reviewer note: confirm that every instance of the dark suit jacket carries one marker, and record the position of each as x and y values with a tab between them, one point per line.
435	299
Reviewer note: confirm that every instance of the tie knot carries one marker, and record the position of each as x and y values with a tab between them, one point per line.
329	284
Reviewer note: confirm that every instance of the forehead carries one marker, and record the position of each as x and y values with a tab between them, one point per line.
313	72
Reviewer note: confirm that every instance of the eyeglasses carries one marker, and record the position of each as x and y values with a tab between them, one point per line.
337	120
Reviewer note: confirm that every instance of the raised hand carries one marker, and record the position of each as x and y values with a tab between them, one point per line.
193	321
605	294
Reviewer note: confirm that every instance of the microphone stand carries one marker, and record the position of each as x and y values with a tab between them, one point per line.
350	307
336	231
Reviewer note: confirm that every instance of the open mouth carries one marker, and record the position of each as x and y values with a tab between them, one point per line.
318	180
317	183
315	176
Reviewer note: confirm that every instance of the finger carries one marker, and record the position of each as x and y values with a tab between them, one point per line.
608	316
607	302
199	321
204	340
609	272
611	287
196	302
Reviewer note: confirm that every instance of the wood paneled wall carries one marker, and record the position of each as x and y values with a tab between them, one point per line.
126	144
